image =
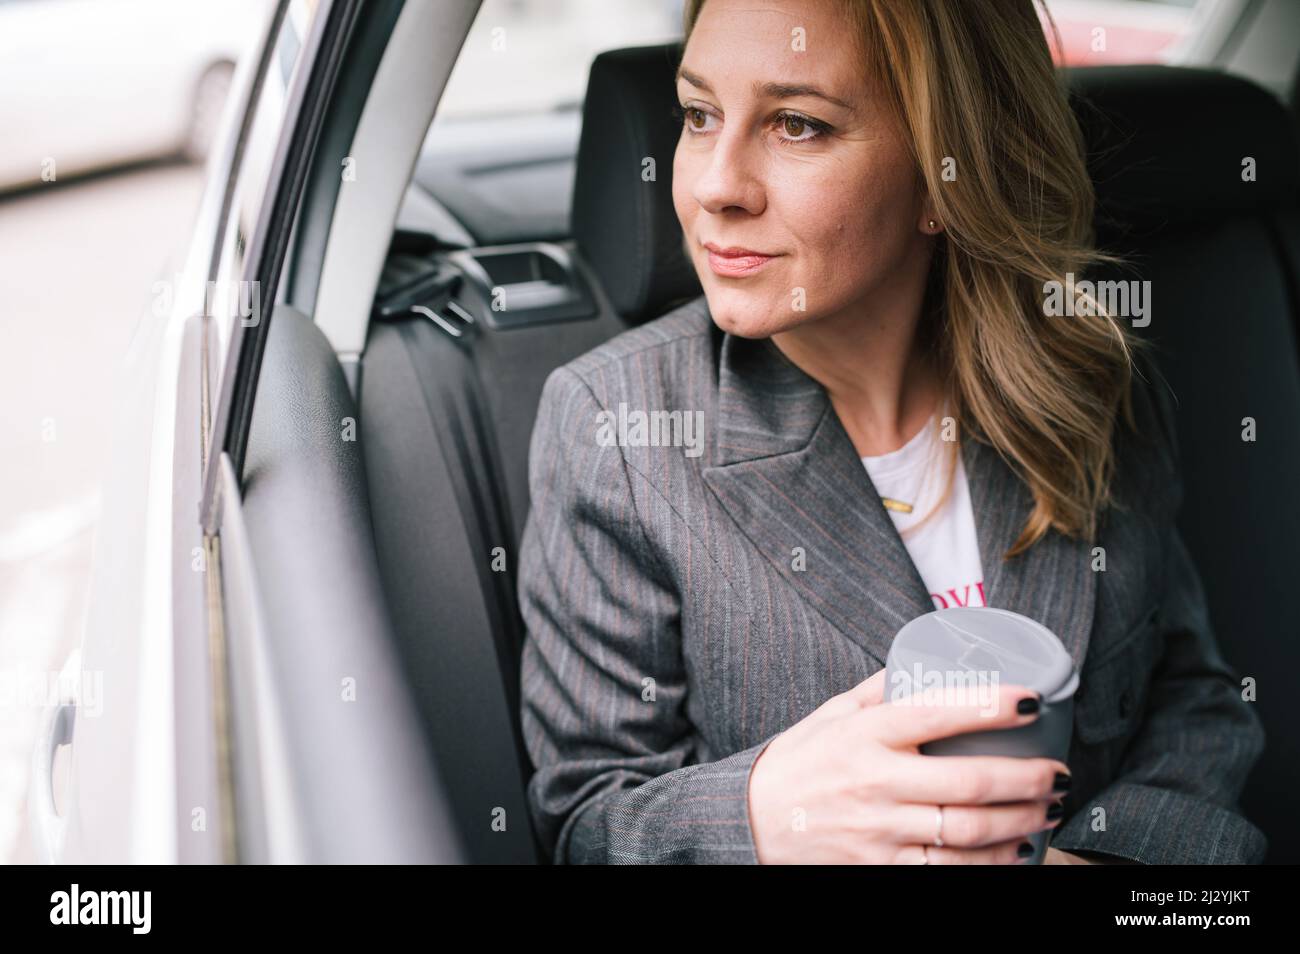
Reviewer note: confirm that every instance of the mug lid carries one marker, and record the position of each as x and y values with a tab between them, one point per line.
984	639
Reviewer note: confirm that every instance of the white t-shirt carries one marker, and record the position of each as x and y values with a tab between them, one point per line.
945	550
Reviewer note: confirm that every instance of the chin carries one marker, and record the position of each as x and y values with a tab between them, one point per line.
748	312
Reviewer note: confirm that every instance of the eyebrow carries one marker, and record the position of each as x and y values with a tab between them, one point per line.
771	90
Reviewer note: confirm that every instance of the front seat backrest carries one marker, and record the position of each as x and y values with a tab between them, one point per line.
1197	175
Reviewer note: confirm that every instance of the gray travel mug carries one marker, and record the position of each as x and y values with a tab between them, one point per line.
960	649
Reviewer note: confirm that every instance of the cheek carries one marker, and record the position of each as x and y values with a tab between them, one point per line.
827	221
683	203
850	225
888	213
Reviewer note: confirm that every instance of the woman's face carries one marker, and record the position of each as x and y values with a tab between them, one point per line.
786	151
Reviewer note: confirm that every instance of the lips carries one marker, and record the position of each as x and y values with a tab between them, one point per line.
734	261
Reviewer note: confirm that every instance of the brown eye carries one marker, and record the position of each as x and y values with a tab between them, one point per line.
696	117
794	126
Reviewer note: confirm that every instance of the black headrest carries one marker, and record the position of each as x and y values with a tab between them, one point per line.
623	221
1166	145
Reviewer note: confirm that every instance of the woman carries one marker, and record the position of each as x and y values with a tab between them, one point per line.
876	196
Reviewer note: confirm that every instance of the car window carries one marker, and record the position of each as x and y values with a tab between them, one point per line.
228	299
1100	32
532	56
498	158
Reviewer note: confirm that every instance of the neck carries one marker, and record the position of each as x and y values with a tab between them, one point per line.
882	385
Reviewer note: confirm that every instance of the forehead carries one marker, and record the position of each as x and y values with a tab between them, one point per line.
735	42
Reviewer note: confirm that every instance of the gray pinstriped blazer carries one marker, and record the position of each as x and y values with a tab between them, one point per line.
670	639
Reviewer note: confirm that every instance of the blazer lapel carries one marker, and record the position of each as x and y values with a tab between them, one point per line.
787	473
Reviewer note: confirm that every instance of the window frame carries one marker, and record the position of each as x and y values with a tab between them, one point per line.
306	101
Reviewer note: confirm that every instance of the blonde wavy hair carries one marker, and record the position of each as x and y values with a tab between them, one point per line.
973	87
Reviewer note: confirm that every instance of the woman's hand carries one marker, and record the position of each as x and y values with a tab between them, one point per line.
847	784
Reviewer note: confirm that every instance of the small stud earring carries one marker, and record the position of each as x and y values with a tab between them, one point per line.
931	223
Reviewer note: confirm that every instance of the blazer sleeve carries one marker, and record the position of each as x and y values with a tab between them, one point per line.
1174	798
603	683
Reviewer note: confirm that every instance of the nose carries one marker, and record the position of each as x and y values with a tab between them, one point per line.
730	178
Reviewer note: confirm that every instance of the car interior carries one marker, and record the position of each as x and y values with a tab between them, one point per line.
446	389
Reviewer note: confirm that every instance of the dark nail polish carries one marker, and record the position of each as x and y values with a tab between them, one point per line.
1062	783
1055	811
1027	706
1025	849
